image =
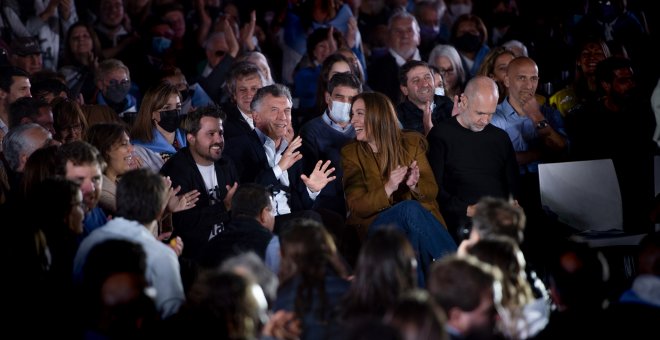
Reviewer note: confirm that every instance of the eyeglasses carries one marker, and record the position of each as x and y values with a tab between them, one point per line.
444	71
115	82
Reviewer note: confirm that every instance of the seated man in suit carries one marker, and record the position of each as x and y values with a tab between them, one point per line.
268	157
250	230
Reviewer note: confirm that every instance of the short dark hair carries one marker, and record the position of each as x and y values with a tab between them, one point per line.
7	74
344	79
250	200
78	153
192	124
25	107
48	85
240	70
275	90
459	282
140	195
409	65
103	136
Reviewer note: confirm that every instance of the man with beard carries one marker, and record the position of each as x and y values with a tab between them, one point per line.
421	109
403	33
470	157
619	126
200	166
82	163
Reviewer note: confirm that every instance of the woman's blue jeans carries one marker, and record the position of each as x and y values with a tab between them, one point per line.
429	238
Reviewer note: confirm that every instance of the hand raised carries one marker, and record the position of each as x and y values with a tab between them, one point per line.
412	176
182	202
394	180
231	190
291	155
320	177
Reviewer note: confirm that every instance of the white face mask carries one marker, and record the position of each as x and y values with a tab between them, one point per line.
460	9
340	112
439	91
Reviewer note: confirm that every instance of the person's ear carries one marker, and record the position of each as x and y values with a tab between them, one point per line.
190	138
328	99
263	216
404	90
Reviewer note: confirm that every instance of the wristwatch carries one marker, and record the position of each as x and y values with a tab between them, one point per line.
542	124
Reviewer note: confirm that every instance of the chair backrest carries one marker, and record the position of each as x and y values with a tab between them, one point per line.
583	194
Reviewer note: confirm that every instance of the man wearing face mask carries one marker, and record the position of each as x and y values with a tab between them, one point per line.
422	107
114	83
324	136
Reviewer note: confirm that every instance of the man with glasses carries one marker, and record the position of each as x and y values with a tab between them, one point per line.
113	80
192	95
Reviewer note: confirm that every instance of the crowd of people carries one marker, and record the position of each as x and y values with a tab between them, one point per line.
328	169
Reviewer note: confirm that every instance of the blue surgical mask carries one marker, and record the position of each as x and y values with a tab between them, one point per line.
160	44
340	112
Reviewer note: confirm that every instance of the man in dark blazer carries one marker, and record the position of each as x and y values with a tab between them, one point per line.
200	166
269	156
383	71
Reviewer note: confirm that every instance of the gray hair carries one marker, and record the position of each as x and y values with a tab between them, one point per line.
108	66
451	53
401	14
275	90
240	70
256	268
512	45
17	142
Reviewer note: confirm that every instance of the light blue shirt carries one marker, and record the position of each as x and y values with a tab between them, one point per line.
162	270
273	154
522	130
326	119
272	259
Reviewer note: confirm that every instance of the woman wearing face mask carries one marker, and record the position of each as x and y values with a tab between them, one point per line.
157	124
388	181
469	35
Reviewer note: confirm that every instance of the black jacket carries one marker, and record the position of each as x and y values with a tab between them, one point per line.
243	234
195	225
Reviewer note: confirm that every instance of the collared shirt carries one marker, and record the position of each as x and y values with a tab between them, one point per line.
399	59
522	130
114	36
280	200
327	120
247	118
3	126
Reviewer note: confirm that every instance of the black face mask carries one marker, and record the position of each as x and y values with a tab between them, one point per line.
169	120
468	42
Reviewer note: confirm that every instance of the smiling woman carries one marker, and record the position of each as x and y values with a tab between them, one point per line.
111	139
388	180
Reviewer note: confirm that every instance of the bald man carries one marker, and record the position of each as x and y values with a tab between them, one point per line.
470	157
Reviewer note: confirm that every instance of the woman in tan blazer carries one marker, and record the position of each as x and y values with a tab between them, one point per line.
388	181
